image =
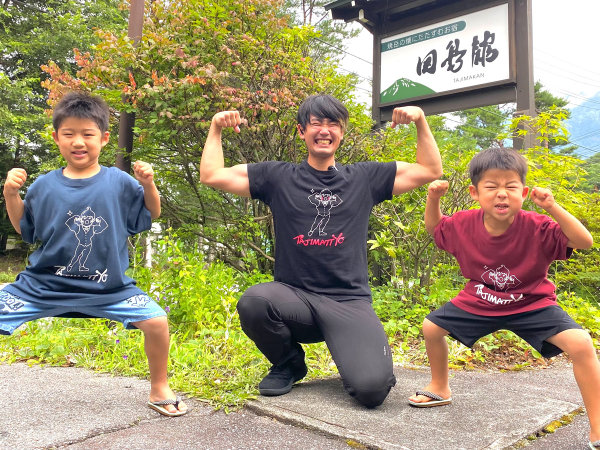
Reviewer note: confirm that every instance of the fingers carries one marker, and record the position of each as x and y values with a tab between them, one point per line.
542	197
229	119
143	170
438	188
540	193
406	115
15	179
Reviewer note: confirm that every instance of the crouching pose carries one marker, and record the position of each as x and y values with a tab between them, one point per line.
82	215
321	290
505	252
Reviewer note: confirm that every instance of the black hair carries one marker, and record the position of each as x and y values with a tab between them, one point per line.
497	158
81	105
322	107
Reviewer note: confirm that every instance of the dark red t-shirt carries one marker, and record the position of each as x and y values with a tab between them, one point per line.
507	274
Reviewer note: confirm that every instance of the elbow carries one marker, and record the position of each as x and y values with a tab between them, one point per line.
205	179
589	242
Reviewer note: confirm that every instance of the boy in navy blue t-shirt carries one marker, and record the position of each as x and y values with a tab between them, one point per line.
82	215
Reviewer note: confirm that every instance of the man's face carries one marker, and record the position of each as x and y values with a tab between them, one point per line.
322	137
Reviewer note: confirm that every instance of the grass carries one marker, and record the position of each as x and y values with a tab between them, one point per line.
11	263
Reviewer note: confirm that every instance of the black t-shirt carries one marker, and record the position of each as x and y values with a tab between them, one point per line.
321	220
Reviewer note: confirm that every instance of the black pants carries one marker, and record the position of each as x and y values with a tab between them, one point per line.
278	317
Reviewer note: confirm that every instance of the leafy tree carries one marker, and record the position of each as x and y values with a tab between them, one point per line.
194	59
592	167
487	125
329	41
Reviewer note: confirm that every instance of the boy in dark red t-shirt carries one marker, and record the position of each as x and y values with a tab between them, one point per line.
505	252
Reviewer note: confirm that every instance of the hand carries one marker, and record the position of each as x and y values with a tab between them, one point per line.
143	172
437	189
231	119
406	115
15	179
543	198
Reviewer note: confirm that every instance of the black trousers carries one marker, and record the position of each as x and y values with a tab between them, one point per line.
278	317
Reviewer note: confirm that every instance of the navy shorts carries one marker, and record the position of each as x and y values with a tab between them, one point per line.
533	326
15	311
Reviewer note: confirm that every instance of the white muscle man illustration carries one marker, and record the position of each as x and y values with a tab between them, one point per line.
323	201
85	227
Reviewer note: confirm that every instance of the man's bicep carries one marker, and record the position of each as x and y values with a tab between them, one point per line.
409	176
233	180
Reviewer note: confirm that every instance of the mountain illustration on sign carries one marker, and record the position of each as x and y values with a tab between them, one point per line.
404	88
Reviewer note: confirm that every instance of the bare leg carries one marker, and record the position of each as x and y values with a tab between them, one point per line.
156	345
586	368
437	352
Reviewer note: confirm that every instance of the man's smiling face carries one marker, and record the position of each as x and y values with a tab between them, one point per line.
322	137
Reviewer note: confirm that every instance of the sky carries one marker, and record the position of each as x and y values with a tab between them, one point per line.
566	36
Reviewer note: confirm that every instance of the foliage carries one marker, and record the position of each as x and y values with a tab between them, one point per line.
592	167
194	59
400	242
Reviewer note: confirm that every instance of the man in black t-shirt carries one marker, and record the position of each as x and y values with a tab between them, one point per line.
321	290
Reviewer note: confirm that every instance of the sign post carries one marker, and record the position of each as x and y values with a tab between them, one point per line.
446	55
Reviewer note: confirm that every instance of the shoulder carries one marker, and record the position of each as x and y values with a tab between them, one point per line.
266	169
536	222
534	218
42	181
464	216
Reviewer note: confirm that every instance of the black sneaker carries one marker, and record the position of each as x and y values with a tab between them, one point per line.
280	379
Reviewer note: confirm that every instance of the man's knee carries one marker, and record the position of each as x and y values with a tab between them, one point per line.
372	389
252	307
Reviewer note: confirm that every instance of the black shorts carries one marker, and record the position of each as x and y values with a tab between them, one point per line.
533	326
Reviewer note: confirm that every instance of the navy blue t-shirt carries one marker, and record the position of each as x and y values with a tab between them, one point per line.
321	221
82	226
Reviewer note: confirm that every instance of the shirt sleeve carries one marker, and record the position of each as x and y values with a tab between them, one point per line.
27	223
381	180
553	240
260	176
138	217
444	234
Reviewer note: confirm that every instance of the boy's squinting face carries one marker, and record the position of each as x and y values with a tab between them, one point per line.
500	194
80	142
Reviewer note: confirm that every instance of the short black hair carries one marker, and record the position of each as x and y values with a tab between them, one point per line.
81	105
497	158
322	106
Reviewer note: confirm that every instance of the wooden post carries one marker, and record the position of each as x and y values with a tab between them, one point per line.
525	85
127	120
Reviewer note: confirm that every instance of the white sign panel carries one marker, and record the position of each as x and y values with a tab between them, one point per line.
459	53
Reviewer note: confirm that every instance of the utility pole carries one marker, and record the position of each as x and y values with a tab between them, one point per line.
127	120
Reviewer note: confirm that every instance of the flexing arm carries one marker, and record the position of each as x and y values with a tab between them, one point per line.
578	235
433	213
429	163
212	165
14	204
145	175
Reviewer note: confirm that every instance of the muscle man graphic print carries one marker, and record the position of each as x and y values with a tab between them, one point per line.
85	226
501	278
324	201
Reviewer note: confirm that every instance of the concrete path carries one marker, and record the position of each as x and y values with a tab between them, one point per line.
49	407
